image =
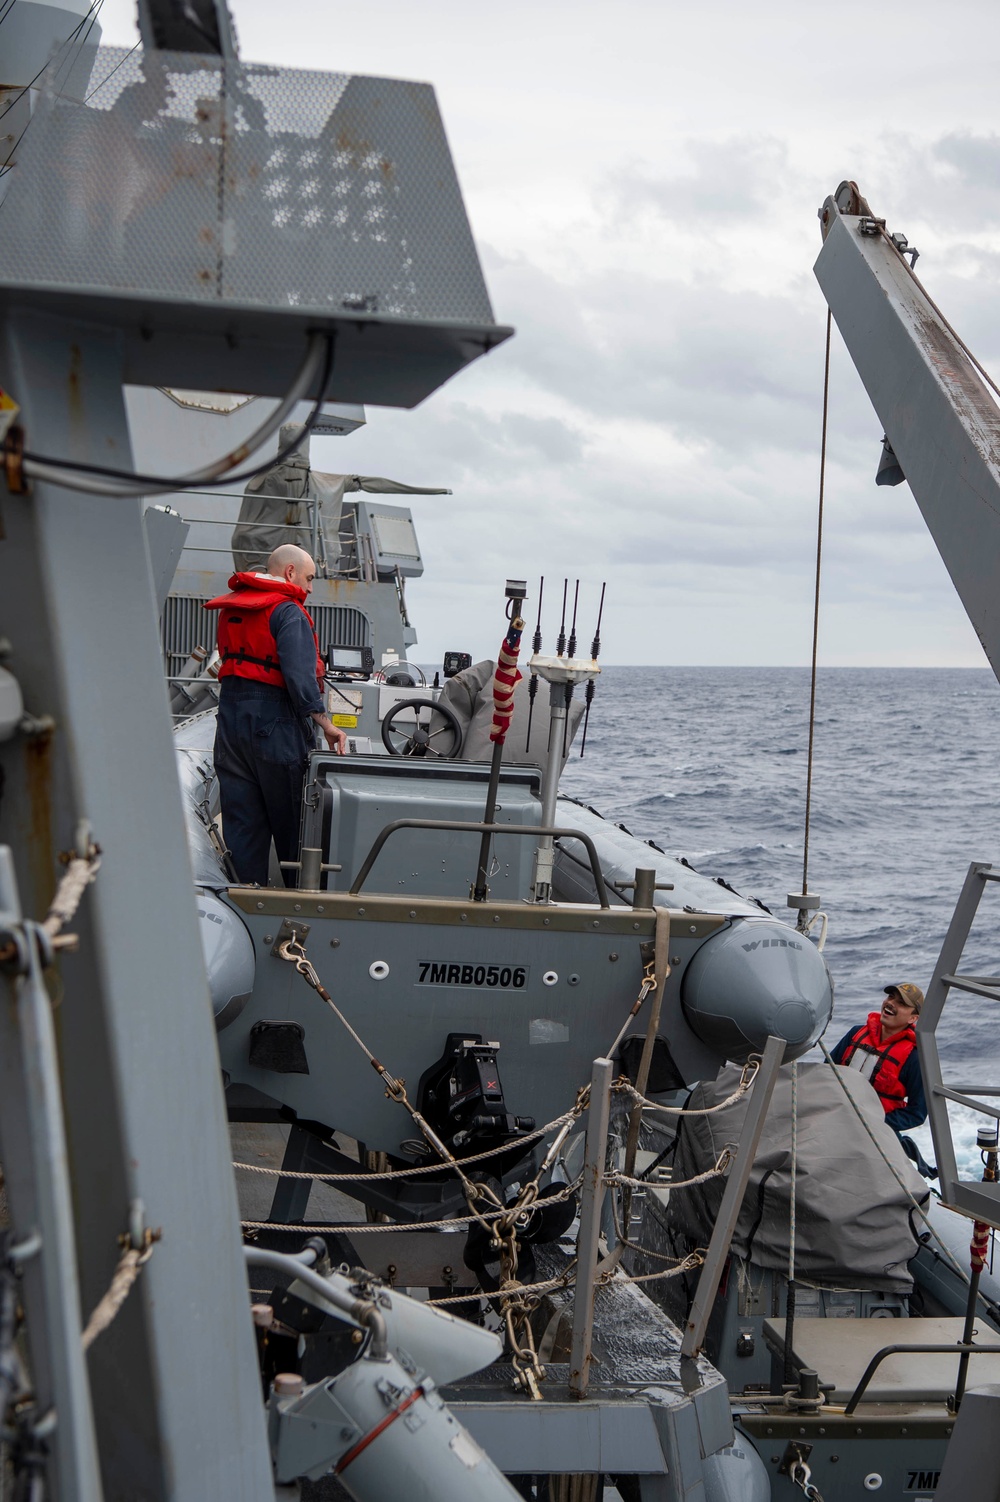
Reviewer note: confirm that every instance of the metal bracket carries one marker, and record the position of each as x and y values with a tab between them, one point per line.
795	1453
290	929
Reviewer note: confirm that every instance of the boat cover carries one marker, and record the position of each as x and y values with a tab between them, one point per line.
854	1223
469	695
275	509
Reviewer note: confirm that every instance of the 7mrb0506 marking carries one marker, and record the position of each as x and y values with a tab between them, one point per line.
478	977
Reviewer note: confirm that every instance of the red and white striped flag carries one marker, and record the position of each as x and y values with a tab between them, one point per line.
505	679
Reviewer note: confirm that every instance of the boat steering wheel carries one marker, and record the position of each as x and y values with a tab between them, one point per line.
445	742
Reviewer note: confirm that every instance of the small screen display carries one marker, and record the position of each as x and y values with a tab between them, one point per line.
349	662
348	659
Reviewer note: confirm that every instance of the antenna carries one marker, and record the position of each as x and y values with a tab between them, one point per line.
561	643
571	650
595	651
536	646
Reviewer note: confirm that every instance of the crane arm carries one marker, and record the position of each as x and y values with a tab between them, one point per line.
937	411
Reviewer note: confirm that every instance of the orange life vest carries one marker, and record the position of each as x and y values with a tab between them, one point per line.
246	645
892	1056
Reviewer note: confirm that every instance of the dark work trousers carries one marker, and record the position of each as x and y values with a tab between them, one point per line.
261	749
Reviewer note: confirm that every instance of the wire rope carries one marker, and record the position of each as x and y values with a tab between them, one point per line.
816	597
91	17
76	476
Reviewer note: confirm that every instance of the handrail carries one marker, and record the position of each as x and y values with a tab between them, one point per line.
473	827
958	1349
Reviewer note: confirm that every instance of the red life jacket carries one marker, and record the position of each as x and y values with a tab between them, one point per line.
892	1056
246	645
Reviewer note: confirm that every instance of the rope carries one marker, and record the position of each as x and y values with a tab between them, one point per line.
356	1227
750	1071
80	872
815	640
477	1293
130	1265
614	1275
690	1262
615	1179
406	1173
517	1300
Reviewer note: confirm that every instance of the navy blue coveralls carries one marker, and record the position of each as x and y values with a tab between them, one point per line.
262	742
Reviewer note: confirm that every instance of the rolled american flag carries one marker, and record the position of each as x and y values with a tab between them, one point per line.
505	680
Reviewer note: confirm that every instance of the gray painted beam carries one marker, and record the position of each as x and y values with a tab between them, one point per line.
174	1380
936	411
36	1177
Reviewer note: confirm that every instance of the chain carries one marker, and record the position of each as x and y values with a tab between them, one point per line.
517	1300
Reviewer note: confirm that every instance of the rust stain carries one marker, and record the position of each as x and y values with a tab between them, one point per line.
38	785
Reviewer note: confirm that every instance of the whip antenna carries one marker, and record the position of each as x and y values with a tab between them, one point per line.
570	652
572	630
536	646
561	643
595	652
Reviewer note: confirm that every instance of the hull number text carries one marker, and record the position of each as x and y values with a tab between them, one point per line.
482	977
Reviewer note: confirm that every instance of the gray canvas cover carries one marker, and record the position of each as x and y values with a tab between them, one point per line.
853	1221
469	695
275	509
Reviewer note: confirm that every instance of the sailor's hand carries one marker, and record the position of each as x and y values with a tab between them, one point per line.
335	739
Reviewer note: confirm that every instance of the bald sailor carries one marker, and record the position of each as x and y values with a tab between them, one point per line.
271	694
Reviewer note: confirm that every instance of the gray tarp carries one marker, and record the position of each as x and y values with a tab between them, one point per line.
853	1226
469	695
275	509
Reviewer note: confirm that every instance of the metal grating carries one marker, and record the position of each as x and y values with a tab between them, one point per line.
341	624
187	624
185	178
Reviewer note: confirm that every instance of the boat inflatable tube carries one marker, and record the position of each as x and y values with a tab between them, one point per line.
229	957
753	979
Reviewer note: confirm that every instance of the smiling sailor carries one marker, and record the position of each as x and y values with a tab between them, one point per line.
884	1050
270	688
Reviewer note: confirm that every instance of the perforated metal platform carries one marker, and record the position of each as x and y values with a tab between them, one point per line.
238	191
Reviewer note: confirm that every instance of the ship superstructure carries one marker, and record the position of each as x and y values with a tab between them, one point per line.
469	999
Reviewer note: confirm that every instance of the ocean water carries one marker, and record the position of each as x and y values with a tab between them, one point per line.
711	764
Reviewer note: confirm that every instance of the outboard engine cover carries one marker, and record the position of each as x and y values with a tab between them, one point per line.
755	978
462	1097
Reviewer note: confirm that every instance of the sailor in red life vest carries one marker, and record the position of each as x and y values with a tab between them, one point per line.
885	1052
270	690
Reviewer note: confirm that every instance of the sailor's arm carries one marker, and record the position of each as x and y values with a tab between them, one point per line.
297	656
914	1113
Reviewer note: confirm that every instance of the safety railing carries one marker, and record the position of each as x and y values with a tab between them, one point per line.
474	827
979	1200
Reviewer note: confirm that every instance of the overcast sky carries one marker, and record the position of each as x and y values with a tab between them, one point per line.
642	180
